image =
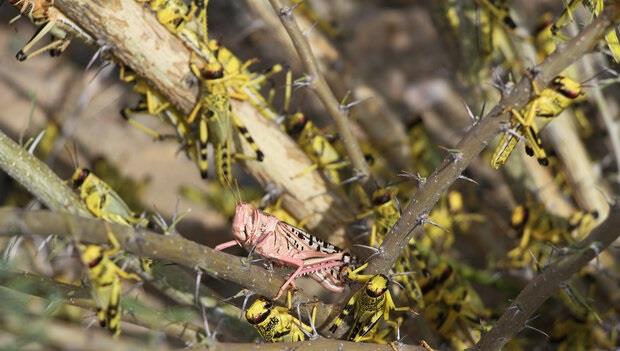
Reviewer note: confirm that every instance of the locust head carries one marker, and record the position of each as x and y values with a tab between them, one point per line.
295	124
243	223
250	226
91	255
259	311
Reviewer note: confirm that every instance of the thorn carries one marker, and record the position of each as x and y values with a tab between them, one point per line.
474	119
456	154
610	70
36	142
421	180
44	243
537	330
371	248
380	251
352	179
302	82
512	131
280	119
197	287
467	179
99	53
426	219
349	106
205	320
310	29
596	247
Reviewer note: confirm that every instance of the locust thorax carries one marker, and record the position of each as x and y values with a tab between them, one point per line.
377	285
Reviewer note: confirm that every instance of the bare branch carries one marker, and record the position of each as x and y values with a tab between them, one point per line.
546	284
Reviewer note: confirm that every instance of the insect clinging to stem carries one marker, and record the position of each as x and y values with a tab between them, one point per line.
283	244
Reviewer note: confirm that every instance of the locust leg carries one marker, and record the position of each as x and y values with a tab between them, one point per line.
248	138
128	113
113	316
200	7
224	246
203	138
23	54
505	146
303	270
223	162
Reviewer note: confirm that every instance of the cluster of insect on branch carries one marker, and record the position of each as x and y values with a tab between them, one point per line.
432	293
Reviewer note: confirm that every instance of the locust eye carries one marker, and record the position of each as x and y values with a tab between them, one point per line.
381	199
265	310
259	318
212	71
296	123
80	177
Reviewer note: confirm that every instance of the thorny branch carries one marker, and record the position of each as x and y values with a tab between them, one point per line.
412	219
544	285
318	84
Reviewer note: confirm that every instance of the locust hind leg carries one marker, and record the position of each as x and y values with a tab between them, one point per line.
223	162
141	108
534	146
506	145
245	133
203	157
59	46
200	9
24	54
113	310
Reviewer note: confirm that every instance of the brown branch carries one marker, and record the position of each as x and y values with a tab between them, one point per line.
480	136
135	37
546	284
320	87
